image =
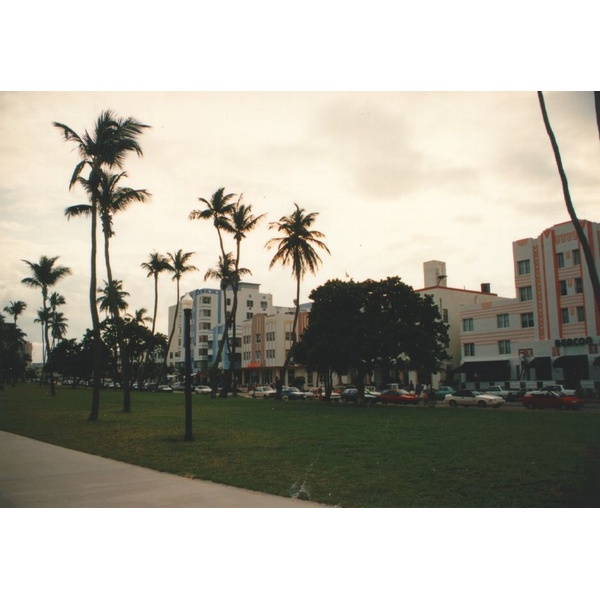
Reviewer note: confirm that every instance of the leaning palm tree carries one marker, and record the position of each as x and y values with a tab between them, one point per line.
44	276
106	146
242	222
296	247
156	265
15	309
179	267
229	277
585	244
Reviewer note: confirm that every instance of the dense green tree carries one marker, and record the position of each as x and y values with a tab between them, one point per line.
111	139
360	326
296	247
13	359
46	274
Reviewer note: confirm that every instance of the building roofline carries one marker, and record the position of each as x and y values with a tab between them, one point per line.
444	287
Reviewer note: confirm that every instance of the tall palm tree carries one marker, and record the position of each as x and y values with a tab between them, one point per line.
57	320
217	209
156	265
242	222
44	316
112	199
15	309
179	267
296	248
585	244
113	294
44	276
229	277
106	146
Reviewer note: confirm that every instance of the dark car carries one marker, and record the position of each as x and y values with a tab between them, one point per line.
292	393
398	396
542	399
351	395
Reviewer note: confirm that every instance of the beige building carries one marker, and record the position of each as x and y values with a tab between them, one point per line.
551	330
266	340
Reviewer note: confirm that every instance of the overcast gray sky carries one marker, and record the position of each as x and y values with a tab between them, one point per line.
398	178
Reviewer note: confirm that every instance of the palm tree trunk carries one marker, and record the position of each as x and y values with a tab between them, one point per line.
155	302
288	357
47	342
171	335
585	245
119	328
97	342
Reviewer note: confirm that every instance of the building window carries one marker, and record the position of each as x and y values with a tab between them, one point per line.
523	267
249	303
504	347
205	312
468	325
503	321
578	285
445	315
264	305
248	316
258	338
564	312
560	259
469	349
563	287
525	293
228	301
205	326
576	256
205	299
527	320
580	314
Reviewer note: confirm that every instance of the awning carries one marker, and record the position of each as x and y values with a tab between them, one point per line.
572	361
482	366
538	361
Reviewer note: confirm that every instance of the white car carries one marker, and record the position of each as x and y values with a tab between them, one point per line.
473	398
263	391
202	389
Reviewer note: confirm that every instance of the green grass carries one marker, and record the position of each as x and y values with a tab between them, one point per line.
344	455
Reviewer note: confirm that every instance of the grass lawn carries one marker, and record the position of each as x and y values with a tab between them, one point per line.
335	454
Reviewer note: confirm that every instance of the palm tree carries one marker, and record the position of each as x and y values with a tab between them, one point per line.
229	276
218	209
113	294
44	276
44	316
296	247
242	221
178	266
15	309
106	146
140	317
57	320
585	244
155	266
112	200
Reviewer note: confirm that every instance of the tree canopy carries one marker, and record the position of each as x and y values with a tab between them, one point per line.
358	327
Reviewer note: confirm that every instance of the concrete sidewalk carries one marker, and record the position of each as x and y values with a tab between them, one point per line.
38	475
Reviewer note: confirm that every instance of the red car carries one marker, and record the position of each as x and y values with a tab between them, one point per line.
397	397
541	399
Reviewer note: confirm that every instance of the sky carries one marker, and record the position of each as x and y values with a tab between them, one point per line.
396	179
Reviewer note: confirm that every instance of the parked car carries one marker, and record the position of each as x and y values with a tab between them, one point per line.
319	393
164	388
443	391
558	388
547	399
202	389
351	395
178	386
292	393
473	398
263	391
498	390
398	396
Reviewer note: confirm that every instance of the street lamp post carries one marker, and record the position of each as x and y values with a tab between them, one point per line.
187	304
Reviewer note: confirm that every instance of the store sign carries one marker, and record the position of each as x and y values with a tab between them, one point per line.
587	341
